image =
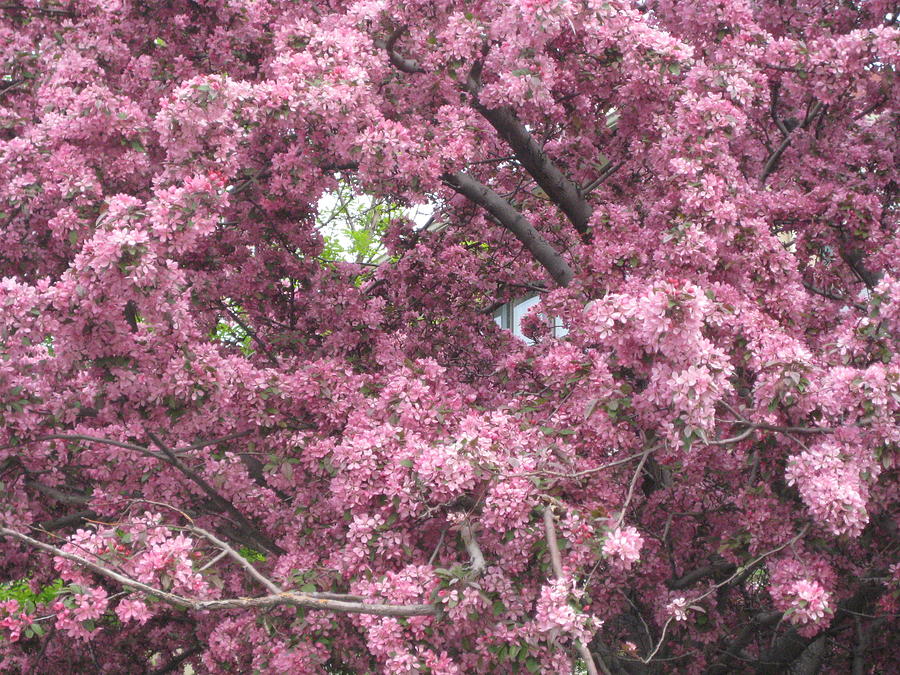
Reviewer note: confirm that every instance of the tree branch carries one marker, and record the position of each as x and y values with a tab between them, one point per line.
473	549
832	296
65	521
41	10
400	63
631	486
249	528
772	161
239	559
740	571
214	441
556	563
700	573
57	494
733	651
177	660
515	222
169	457
303	600
562	191
791	646
270	356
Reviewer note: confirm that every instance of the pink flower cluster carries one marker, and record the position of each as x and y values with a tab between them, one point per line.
555	615
623	547
73	617
677	608
804	598
13	620
831	486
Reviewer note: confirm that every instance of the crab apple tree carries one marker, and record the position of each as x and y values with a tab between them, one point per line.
227	444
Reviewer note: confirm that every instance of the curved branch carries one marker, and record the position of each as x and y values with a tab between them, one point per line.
399	62
303	600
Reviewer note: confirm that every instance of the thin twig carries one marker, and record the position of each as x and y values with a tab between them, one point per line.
599	180
634	480
832	296
580	474
264	348
740	570
437	548
215	441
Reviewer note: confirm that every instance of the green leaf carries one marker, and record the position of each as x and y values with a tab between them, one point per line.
532	665
251	555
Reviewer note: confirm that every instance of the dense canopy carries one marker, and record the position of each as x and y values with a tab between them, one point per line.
254	417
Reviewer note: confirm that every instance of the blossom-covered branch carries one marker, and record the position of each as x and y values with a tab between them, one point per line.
284	598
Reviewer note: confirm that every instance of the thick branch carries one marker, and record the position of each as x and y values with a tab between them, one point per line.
65	521
304	600
564	192
515	222
177	660
556	563
474	550
400	63
59	495
863	638
854	260
810	660
696	575
733	651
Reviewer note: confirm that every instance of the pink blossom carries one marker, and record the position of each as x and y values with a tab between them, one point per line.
623	547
